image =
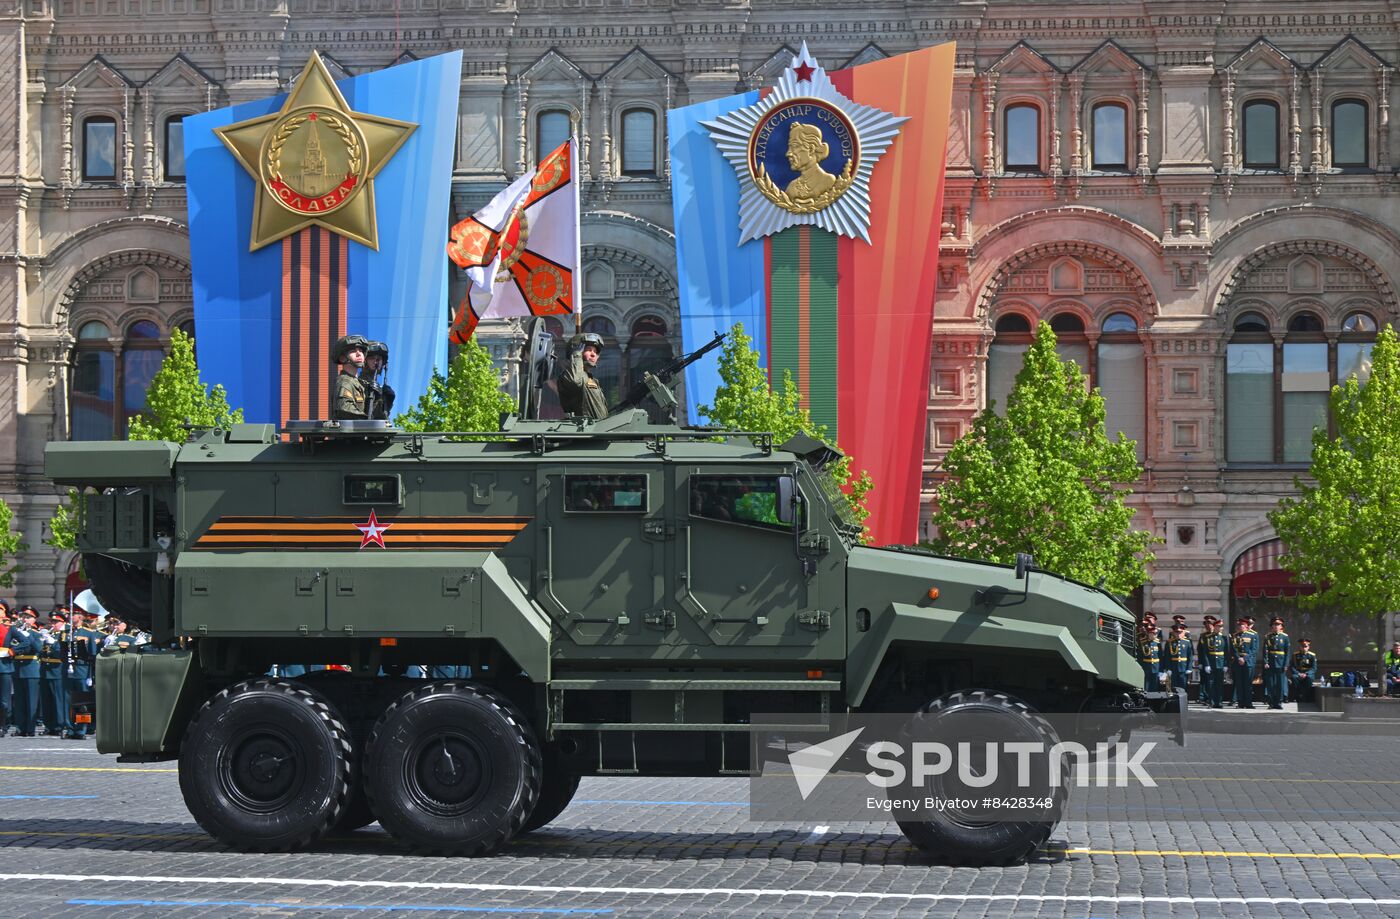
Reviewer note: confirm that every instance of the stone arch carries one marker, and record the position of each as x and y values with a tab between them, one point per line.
99	267
1071	212
1311	247
1133	278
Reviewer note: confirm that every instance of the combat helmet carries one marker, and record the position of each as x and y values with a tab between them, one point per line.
347	343
378	347
584	340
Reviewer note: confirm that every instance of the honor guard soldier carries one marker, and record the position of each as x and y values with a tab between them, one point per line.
78	668
24	644
380	395
7	671
53	694
1303	671
1211	652
1180	620
1178	657
579	392
1244	651
1277	648
1150	653
349	404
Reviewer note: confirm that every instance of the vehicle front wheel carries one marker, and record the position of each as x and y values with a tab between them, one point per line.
974	835
452	768
265	766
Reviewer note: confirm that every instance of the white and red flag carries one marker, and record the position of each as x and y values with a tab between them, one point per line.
521	251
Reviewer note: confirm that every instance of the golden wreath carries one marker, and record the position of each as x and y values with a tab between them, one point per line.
772	192
288	127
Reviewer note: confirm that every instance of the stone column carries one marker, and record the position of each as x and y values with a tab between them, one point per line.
1076	131
1295	133
1316	160
1144	87
1383	118
584	135
1054	133
605	103
522	95
989	121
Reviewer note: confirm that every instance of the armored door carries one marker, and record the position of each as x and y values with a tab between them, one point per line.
603	554
741	576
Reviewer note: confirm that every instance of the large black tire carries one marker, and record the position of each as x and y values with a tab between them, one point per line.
265	766
357	814
452	769
557	789
956	838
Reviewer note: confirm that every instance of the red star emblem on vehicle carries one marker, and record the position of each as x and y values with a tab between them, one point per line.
372	532
804	72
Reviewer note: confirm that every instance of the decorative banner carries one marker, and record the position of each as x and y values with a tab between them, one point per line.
317	214
521	251
850	319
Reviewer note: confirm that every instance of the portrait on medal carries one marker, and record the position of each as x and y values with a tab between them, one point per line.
803	155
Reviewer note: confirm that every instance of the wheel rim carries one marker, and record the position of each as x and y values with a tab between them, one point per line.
262	769
447	773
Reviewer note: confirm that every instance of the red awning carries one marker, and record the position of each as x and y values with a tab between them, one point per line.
1257	574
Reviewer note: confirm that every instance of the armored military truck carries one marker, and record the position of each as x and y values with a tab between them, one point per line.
582	599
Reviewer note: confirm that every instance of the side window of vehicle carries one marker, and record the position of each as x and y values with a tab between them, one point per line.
747	499
605	494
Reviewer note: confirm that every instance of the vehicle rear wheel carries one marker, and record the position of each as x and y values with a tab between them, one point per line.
557	789
452	768
265	766
973	836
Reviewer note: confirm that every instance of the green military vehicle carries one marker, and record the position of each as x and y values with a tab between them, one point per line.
625	594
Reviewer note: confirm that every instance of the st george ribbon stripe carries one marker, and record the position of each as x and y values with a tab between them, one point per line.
314	313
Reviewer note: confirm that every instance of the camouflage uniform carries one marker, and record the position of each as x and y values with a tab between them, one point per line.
579	393
349	401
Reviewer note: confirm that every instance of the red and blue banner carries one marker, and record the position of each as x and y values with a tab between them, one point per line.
850	319
266	317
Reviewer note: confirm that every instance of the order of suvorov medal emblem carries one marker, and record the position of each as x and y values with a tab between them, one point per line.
804	154
313	160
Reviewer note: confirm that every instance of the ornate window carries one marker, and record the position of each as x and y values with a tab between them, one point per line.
1005	356
1350	136
99	149
1261	134
1110	136
1021	145
1120	373
639	142
175	148
552	128
1277	393
110	378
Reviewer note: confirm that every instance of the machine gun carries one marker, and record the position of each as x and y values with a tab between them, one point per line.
657	384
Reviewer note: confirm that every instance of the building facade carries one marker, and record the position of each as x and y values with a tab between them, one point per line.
1199	197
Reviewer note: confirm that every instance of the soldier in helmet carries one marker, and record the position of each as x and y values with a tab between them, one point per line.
380	395
579	392
350	400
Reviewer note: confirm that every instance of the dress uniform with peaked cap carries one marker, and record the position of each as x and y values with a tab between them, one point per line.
1150	653
1303	671
1177	655
1244	651
24	644
1211	651
1277	649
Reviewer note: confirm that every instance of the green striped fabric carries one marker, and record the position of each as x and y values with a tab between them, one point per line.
802	313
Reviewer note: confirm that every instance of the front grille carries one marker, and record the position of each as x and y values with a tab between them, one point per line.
1114	630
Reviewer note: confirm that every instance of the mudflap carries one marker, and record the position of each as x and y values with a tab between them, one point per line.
1169	703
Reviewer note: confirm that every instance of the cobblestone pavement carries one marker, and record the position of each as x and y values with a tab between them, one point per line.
81	835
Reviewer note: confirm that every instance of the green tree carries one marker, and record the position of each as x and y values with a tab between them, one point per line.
11	546
468	398
177	399
1342	532
63	525
1046	479
746	401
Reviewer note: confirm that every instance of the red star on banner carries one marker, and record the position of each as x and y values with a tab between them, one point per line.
804	72
372	532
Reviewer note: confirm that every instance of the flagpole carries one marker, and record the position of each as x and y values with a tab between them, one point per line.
577	182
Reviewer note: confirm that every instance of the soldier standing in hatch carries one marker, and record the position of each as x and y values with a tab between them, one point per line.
579	392
349	404
380	395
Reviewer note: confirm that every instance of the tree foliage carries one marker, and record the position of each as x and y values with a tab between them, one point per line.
1045	479
1342	532
176	399
468	398
746	401
11	546
63	525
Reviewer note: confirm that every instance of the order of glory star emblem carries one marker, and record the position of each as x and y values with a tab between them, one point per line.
372	532
804	154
